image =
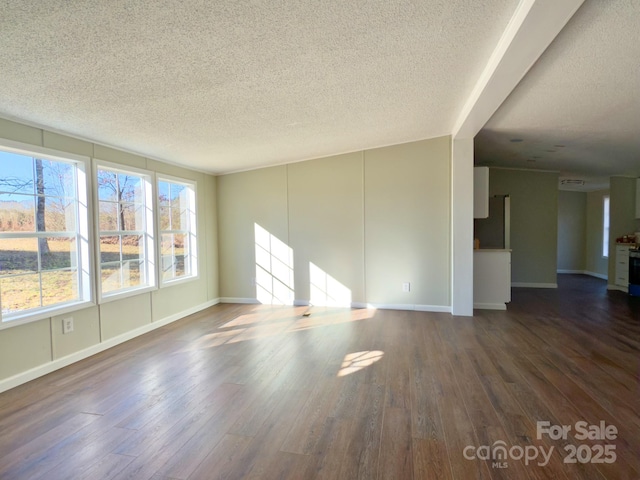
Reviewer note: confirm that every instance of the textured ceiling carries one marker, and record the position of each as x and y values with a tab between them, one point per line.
226	86
578	108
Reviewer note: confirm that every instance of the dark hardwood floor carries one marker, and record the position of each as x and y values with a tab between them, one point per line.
245	391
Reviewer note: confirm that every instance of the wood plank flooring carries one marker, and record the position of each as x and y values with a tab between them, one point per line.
246	391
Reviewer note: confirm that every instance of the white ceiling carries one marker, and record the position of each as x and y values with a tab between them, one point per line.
228	86
578	108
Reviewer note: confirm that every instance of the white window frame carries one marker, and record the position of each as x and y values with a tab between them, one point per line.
192	230
606	219
83	235
149	233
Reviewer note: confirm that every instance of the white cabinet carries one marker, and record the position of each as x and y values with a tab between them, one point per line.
480	192
638	198
491	279
622	267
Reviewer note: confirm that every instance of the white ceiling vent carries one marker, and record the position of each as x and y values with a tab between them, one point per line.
572	181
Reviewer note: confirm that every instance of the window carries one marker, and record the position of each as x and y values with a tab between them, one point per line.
44	245
605	226
177	218
125	227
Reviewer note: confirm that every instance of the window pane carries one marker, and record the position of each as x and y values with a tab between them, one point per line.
110	276
180	254
17	213
130	188
132	247
166	251
175	215
107	189
167	267
59	215
58	179
132	274
178	193
20	293
109	249
165	218
133	217
174	253
163	193
166	244
179	219
62	254
18	255
59	286
108	213
17	173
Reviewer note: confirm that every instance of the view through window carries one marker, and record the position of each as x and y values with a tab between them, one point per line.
42	214
178	247
125	230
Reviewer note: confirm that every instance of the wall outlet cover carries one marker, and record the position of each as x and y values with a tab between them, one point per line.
67	325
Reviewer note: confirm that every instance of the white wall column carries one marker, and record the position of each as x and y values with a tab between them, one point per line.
532	28
462	226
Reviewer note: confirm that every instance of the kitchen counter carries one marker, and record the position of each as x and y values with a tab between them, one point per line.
491	278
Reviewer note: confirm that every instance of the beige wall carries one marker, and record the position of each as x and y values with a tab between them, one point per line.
622	218
407	223
326	217
572	230
36	344
594	261
369	220
245	199
534	223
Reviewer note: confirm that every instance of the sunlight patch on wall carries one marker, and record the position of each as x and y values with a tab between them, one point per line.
325	290
274	269
354	362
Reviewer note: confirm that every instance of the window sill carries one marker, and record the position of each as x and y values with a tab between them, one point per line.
125	294
179	281
45	313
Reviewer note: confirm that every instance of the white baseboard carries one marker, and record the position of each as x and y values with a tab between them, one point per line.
597	275
490	306
382	306
62	362
585	272
618	287
534	285
249	301
359	305
408	306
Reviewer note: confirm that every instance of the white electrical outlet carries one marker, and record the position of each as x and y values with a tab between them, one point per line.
406	287
67	325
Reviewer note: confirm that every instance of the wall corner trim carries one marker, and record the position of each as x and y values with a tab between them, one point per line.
62	362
